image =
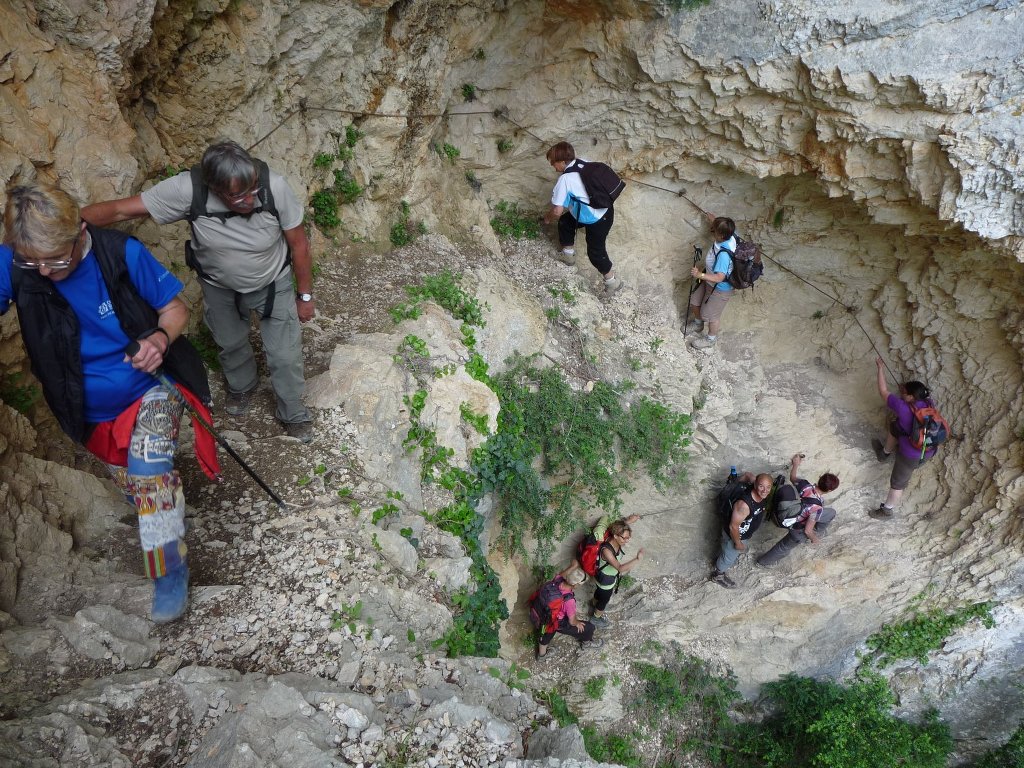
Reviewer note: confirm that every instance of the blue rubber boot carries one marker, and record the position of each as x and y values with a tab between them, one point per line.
170	595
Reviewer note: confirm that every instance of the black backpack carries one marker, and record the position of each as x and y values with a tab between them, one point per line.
787	504
728	496
201	193
603	185
747	267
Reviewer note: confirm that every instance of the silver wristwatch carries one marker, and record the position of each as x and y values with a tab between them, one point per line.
304	296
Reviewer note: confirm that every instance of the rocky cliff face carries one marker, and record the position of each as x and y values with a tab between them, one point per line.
872	148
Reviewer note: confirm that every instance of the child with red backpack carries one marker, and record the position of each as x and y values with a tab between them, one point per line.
553	609
916	429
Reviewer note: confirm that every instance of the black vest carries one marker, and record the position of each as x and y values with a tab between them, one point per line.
756	515
50	330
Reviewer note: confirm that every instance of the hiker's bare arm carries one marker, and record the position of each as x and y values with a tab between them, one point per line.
740	510
883	388
708	277
632	519
112	211
554	213
809	529
302	266
625	567
794	463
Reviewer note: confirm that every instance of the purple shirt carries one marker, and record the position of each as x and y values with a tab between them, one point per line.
904	425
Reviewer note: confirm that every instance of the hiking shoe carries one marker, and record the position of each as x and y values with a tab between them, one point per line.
611	285
237	403
600	621
300	430
703	342
880	453
722	579
547	653
566	258
882	513
170	595
694	326
592	644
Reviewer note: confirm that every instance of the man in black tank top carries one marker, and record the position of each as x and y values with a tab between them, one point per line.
747	515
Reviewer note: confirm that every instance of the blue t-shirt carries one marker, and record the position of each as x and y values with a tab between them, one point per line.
111	384
722	262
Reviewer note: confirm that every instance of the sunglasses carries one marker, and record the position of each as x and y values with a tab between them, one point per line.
240	198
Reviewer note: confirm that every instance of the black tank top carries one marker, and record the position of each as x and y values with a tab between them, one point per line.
756	515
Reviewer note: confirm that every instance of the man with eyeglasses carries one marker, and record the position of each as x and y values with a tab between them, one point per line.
85	296
247	246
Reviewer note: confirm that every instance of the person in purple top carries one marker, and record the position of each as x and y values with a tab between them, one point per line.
901	422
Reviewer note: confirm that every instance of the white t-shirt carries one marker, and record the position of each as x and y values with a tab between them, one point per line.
242	253
570	193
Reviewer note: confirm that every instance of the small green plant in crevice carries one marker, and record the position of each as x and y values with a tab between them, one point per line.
818	314
325	209
655	344
559	291
385	510
170	171
479	54
468	92
594	687
477	421
207	348
20	397
475	184
558	707
924	631
346	187
352	135
620	749
412	344
400	232
505	145
445	290
513	677
689	5
323	160
347	615
778	218
449	151
510	221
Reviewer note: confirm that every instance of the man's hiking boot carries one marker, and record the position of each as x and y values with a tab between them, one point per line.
703	342
600	621
547	653
591	644
882	513
612	284
694	326
300	430
880	453
722	579
237	403
565	257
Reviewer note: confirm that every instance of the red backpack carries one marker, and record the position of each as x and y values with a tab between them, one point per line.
928	429
546	605
588	551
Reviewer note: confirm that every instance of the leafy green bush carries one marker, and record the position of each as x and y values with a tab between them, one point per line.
450	152
20	397
594	687
468	92
352	135
505	145
576	435
207	348
509	221
400	233
345	187
445	290
925	631
323	160
611	747
325	209
826	724
558	706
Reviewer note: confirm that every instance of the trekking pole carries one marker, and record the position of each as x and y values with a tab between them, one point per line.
697	253
131	350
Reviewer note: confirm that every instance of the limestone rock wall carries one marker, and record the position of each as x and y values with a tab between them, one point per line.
873	148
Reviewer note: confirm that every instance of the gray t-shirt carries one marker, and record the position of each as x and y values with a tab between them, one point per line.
241	253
